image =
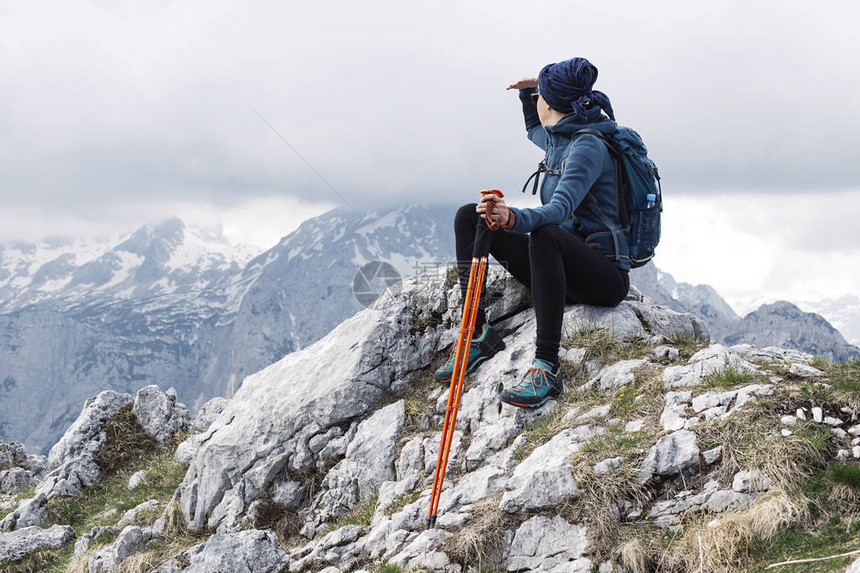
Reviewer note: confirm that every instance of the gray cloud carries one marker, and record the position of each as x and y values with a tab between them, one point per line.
138	102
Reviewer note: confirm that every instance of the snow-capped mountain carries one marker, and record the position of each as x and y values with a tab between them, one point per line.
155	261
779	323
177	307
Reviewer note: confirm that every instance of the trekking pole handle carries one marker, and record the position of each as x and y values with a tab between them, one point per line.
493	225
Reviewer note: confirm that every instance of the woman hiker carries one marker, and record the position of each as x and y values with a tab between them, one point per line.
570	248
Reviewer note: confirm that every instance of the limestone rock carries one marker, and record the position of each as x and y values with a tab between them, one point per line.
854	567
250	551
544	544
368	463
706	361
672	454
159	413
666	513
751	481
676	405
771	353
15	479
804	370
136	479
207	413
713	455
279	409
667	352
29	513
544	478
130	516
131	540
617	375
18	544
603	467
422	552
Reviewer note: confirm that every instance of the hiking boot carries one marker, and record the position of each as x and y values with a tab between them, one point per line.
538	385
480	350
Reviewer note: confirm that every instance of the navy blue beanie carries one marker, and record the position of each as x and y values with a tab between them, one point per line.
566	87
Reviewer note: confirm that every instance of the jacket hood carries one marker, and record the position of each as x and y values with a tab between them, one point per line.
570	124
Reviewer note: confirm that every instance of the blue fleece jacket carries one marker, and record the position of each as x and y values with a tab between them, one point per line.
582	199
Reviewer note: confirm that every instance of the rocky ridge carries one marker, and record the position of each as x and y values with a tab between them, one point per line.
779	323
171	305
323	460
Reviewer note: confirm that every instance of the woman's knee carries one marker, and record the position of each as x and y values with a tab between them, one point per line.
466	213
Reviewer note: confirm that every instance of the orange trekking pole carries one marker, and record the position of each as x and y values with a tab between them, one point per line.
480	252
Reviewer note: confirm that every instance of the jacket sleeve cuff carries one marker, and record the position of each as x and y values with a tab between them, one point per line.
512	220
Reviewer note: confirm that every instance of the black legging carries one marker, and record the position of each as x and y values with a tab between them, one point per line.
555	264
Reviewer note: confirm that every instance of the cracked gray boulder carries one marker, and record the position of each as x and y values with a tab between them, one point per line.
250	551
672	454
544	478
159	413
368	463
18	544
544	544
131	540
281	408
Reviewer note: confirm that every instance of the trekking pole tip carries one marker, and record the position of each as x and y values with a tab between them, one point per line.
430	522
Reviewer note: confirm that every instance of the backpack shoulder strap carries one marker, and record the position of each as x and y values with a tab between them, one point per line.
620	197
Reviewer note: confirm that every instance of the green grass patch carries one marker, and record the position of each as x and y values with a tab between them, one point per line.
361	514
613	444
164	474
845	473
687	344
832	529
818	436
401	501
728	377
845	377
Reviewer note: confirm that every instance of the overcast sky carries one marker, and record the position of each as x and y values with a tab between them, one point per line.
114	113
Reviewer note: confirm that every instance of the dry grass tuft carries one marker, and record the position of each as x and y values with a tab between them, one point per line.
634	556
149	560
751	439
34	562
125	443
481	542
716	547
600	497
604	346
285	522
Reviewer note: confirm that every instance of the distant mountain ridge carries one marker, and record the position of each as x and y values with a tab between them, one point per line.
781	323
172	306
